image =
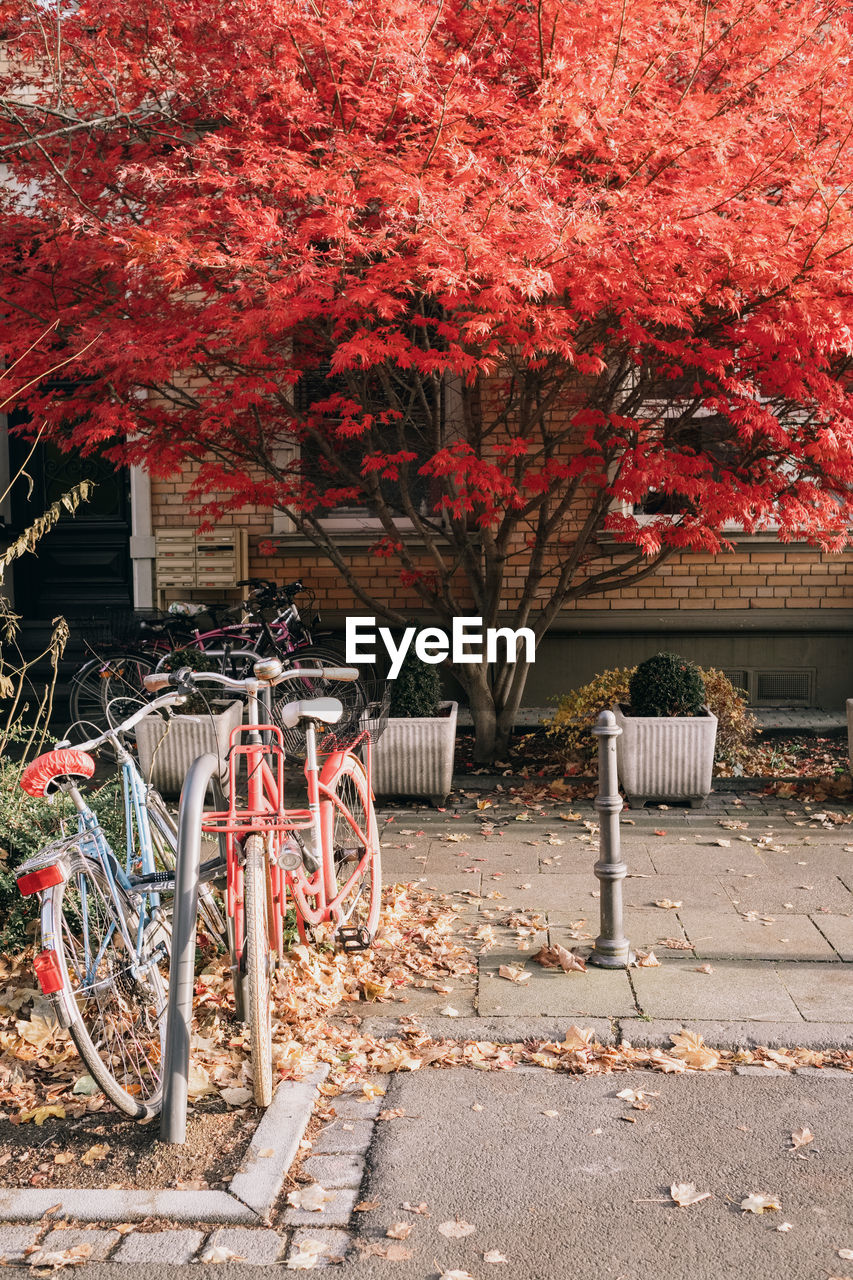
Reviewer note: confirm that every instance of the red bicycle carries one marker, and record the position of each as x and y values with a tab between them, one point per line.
324	856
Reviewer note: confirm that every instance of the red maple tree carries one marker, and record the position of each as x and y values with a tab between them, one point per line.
550	291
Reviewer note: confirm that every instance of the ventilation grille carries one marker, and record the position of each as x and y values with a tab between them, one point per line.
784	688
788	687
739	677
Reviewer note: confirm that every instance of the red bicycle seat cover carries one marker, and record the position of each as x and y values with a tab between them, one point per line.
40	772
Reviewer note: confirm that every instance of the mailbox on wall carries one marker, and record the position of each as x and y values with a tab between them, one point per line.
206	562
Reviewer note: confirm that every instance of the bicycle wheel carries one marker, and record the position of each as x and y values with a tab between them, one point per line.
258	966
119	992
109	688
350	837
350	693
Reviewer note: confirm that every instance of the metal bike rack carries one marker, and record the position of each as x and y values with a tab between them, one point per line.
179	1012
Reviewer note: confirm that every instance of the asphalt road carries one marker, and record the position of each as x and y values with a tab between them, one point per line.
584	1194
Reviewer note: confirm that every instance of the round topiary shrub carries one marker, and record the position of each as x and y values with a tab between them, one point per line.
417	690
667	685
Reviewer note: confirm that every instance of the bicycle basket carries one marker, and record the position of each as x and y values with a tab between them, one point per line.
362	702
371	718
118	626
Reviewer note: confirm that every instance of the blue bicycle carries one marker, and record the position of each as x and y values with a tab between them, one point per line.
105	934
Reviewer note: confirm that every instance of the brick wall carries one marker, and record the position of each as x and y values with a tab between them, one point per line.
758	575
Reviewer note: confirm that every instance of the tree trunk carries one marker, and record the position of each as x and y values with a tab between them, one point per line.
493	721
484	714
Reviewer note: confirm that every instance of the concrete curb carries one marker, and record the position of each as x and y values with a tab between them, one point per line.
258	1181
250	1196
738	1035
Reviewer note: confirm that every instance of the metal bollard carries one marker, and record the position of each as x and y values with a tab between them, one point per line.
179	1011
612	950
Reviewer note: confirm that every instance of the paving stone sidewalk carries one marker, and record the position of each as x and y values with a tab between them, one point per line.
755	946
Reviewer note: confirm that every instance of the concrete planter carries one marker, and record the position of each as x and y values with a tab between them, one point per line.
665	758
167	748
414	756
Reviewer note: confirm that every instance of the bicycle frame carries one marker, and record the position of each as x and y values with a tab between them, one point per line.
261	745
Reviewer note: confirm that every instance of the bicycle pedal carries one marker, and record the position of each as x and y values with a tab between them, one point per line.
354	937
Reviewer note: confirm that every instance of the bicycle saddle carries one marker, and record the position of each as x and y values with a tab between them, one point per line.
327	710
63	763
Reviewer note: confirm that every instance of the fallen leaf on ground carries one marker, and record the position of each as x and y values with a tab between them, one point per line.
416	1208
647	960
455	1275
513	974
755	1203
703	968
660	833
456	1230
367	1206
391	1113
313	1197
219	1253
301	1261
685	1193
494	1256
236	1096
667	904
785	1226
846	1254
198	1083
579	1037
557	957
552	1114
95	1153
392	1252
399	1231
801	1138
56	1258
40	1114
63	1157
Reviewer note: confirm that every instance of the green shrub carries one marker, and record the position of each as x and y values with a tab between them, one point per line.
666	685
577	712
417	690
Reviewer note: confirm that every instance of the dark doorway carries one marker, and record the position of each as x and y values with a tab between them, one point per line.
83	565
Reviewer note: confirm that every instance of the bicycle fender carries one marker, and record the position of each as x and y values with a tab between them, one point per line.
62	1001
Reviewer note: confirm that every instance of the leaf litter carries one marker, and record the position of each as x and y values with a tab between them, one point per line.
319	994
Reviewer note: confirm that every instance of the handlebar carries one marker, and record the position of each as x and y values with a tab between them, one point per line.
174	699
184	679
264	586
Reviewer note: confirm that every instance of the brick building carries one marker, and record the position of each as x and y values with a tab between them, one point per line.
778	618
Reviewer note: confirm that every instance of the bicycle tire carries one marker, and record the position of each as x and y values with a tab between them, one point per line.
258	952
344	847
107	688
121	1045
